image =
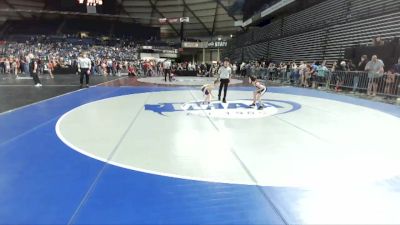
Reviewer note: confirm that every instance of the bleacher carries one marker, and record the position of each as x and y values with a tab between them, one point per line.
315	17
306	46
367	8
271	31
320	32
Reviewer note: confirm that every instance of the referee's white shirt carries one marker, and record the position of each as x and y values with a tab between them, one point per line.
84	63
167	65
224	72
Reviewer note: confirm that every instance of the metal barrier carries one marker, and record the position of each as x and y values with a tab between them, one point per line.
387	84
359	81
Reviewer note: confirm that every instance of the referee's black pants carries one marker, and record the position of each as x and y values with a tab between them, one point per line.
167	72
223	84
35	77
84	73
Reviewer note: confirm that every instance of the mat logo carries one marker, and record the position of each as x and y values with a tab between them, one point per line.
232	110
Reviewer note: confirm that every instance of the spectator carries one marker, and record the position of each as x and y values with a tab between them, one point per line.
234	68
339	75
33	69
302	73
322	72
313	74
390	84
2	66
295	72
377	41
396	70
243	69
396	67
7	66
360	69
50	69
375	69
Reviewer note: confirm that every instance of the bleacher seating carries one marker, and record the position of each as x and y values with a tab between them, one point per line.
367	8
315	17
320	32
361	33
271	31
307	46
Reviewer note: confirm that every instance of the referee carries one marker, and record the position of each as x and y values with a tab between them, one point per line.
167	70
84	66
224	73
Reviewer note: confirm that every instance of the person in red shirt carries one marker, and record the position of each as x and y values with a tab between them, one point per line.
132	70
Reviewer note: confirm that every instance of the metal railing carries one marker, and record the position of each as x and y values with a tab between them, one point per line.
387	84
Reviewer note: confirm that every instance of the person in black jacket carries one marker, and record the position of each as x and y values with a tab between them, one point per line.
359	73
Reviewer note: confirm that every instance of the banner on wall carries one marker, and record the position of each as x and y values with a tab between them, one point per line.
210	44
173	20
217	44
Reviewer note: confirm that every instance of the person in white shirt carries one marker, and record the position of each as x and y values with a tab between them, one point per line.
224	73
167	70
84	66
234	68
375	69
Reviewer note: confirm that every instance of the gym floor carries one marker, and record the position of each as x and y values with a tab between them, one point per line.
129	151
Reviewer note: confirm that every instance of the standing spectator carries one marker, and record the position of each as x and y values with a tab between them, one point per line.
313	74
234	68
224	73
295	73
84	66
26	64
7	66
307	75
34	69
339	75
50	68
396	70
114	67
375	69
109	67
132	70
2	66
302	73
390	84
396	67
243	69
14	67
332	75
360	69
248	69
322	72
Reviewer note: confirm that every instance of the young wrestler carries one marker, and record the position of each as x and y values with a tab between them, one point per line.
258	93
207	91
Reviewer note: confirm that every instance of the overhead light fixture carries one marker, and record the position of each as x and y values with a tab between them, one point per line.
91	2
